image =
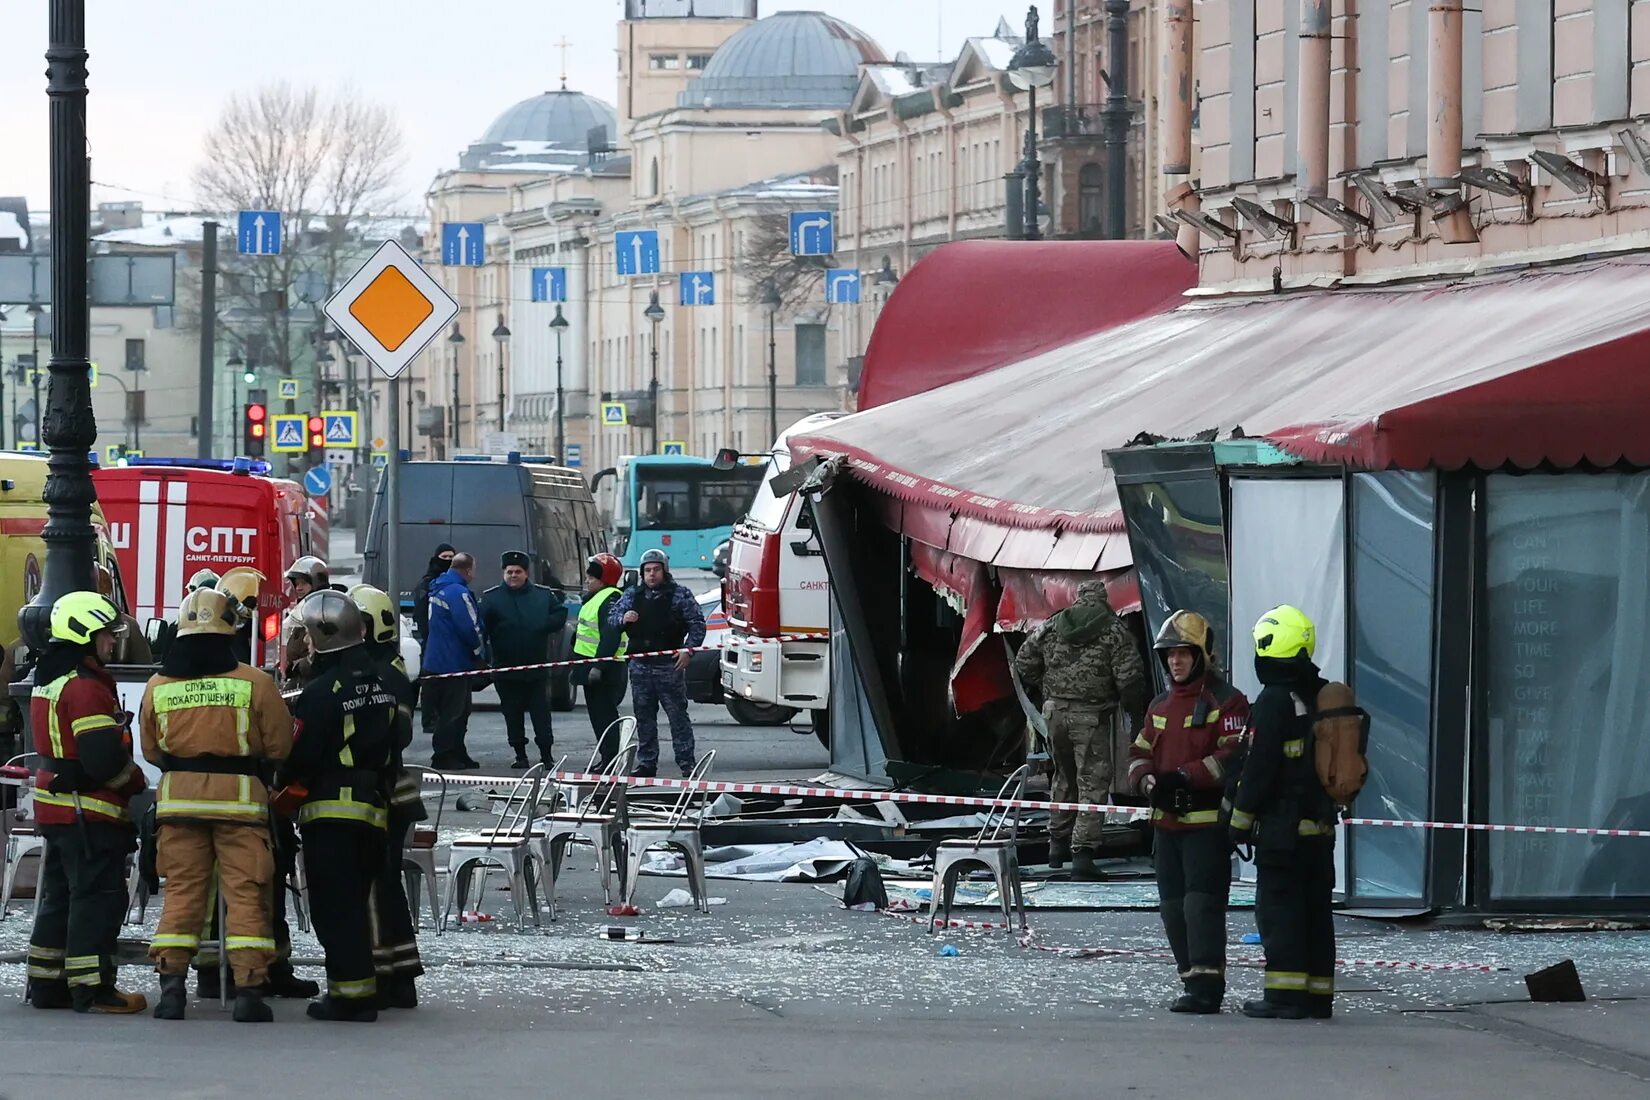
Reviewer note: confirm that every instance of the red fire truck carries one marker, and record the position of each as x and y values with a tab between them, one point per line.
170	517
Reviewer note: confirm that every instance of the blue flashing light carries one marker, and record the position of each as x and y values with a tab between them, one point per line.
243	466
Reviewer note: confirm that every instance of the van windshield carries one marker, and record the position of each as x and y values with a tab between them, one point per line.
768	510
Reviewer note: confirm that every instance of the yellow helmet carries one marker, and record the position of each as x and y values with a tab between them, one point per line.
1285	632
79	615
206	611
383	624
241	585
1186	629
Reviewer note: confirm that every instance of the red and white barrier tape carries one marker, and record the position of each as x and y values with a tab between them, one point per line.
606	660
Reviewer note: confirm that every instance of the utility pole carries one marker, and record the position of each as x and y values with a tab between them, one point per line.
70	427
209	338
1115	116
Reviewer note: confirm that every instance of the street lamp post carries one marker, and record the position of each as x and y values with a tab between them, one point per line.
1032	67
501	337
773	302
655	313
70	427
34	349
455	340
558	325
1116	115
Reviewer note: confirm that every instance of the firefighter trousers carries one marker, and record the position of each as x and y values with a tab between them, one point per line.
190	855
1194	880
394	939
1294	909
81	901
343	860
1080	749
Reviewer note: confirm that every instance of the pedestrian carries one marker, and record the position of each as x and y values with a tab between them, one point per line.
394	939
345	746
1084	661
521	619
604	684
307	574
1179	761
659	616
455	644
215	726
85	780
440	562
1282	808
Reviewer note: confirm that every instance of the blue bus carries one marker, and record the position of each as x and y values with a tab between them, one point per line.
680	504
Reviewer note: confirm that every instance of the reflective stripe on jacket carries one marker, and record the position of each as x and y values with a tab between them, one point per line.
587	640
218	721
62	711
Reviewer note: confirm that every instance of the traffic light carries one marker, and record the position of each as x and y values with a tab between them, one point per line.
256	423
317	440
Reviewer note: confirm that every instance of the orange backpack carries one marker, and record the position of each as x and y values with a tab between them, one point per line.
1340	743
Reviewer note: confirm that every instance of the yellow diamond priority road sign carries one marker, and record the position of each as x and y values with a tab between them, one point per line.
391	308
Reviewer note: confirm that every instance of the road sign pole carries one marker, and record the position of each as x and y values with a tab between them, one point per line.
392	500
209	337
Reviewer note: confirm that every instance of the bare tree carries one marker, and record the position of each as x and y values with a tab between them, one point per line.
325	162
767	263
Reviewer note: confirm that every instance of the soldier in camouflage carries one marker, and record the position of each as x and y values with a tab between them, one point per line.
663	624
1087	665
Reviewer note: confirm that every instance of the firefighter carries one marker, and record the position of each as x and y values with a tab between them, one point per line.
215	726
394	940
1281	808
604	684
87	777
343	750
307	574
203	578
1179	761
242	584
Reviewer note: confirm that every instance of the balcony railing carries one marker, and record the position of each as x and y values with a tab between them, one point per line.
1072	120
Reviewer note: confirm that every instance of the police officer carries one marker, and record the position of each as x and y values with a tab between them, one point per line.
344	747
1179	761
307	574
215	726
394	940
1282	808
658	616
86	778
603	684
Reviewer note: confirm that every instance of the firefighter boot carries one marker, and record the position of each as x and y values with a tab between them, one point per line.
1059	850
284	983
48	994
250	1007
335	1008
1082	866
208	983
397	993
1196	1005
174	997
106	999
1272	1010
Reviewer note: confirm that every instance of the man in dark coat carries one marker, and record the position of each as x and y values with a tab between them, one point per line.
521	619
440	562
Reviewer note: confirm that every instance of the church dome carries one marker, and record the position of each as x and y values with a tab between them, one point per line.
792	59
563	119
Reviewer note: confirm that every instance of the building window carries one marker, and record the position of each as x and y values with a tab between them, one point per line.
653	177
1090	197
135	355
810	355
664	62
698	60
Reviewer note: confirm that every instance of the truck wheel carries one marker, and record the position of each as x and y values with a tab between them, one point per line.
561	691
822	727
747	713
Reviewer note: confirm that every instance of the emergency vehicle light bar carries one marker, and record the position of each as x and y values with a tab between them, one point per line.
242	466
512	457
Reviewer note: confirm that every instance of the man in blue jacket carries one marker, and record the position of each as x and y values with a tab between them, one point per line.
521	620
454	644
660	615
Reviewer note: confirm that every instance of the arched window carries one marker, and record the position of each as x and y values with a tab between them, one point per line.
653	177
1090	198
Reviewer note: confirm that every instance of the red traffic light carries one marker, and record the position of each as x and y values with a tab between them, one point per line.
317	425
256	413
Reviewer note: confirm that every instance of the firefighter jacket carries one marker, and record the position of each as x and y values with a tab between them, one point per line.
1085	655
1279	789
406	798
344	741
214	737
1194	728
84	740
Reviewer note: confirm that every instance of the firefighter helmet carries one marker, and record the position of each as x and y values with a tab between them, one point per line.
605	568
206	611
1285	632
203	578
332	621
383	624
241	585
1189	630
79	615
311	569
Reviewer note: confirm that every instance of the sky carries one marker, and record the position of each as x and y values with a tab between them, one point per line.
161	69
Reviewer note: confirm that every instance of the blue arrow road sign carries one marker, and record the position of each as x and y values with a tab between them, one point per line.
462	243
698	288
259	233
575	456
318	481
549	284
842	286
637	253
813	233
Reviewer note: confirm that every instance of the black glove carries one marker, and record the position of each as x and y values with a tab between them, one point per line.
1166	786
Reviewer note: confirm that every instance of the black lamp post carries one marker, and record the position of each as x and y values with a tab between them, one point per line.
772	300
655	313
234	363
558	325
1116	116
501	337
70	428
34	349
455	340
1032	67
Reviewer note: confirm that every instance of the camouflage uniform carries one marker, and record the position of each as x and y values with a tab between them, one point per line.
1086	663
670	619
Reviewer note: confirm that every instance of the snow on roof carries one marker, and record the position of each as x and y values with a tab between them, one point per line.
162	233
13	230
996	51
895	80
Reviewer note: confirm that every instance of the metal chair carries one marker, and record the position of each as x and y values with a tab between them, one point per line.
990	848
418	860
20	837
600	819
573	794
551	795
679	830
510	846
137	890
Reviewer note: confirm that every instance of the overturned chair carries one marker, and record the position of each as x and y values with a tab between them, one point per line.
679	830
511	846
995	847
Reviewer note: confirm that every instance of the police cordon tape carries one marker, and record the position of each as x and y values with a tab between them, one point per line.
785	790
570	661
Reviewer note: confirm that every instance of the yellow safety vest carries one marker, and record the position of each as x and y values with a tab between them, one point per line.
204	796
587	639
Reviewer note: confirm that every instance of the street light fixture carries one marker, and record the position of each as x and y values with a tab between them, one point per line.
501	337
558	325
655	313
773	301
1032	67
455	340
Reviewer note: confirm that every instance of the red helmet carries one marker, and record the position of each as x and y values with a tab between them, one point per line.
605	568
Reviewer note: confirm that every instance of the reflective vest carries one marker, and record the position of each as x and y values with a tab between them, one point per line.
197	720
55	737
587	639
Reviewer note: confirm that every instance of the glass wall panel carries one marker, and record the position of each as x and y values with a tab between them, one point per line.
1179	550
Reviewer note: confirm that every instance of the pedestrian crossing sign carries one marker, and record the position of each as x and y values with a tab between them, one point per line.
288	432
673	447
615	414
289	389
339	427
